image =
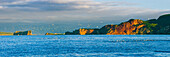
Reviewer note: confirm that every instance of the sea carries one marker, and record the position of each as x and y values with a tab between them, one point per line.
85	46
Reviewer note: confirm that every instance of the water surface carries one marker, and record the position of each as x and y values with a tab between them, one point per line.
85	45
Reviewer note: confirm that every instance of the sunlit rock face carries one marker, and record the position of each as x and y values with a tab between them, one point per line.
23	33
133	26
85	31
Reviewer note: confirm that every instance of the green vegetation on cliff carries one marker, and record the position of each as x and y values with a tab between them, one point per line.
163	24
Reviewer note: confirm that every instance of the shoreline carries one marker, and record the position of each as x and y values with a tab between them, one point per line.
77	35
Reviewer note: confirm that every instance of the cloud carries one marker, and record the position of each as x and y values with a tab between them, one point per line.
59	5
48	4
66	10
1	7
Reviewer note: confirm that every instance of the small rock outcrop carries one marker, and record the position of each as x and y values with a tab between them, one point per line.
54	34
23	33
83	31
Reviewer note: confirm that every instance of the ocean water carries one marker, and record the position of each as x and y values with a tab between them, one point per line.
86	46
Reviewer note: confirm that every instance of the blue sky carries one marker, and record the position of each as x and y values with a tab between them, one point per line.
79	10
154	4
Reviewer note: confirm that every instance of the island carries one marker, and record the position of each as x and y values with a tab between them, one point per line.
131	27
23	33
17	33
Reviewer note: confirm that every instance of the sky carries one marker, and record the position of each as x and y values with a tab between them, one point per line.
50	11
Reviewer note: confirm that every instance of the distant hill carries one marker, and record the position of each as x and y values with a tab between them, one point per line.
131	27
6	33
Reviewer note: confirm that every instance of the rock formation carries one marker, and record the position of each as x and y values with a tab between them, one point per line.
130	27
23	33
83	31
54	34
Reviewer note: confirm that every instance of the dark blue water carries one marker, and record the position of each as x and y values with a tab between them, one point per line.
86	45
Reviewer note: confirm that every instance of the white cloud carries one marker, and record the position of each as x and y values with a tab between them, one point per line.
1	7
81	6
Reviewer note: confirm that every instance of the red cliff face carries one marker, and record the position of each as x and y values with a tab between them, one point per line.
131	27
